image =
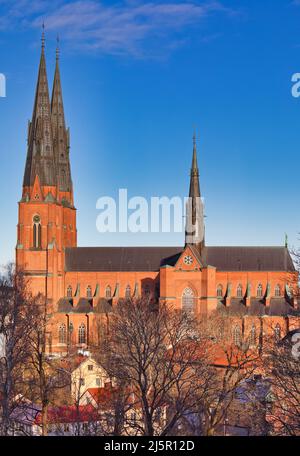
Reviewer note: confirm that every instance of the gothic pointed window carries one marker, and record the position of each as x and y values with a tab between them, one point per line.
89	292
188	300
69	292
37	232
108	291
219	291
62	333
128	292
259	292
81	334
237	336
277	291
146	290
239	291
277	332
253	336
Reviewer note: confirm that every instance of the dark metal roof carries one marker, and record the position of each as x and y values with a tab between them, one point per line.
120	258
80	259
249	258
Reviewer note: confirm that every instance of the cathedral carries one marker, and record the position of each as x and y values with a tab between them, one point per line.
82	285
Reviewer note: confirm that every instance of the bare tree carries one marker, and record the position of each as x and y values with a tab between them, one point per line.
18	314
282	365
234	365
155	351
45	376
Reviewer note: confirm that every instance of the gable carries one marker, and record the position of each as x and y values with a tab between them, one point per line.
189	260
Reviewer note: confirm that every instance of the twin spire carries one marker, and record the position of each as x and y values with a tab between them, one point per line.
48	138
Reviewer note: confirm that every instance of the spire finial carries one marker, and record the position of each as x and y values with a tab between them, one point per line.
43	36
194	137
286	240
57	47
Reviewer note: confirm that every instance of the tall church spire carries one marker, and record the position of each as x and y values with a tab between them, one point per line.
195	217
40	155
61	136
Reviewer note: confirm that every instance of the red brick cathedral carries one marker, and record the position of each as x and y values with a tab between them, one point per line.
83	284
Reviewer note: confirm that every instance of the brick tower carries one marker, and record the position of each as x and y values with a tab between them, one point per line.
47	216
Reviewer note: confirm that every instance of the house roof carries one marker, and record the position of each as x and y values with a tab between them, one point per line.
81	259
69	414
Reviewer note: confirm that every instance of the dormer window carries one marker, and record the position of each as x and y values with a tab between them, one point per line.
220	291
128	292
259	292
239	291
277	291
108	292
69	292
89	292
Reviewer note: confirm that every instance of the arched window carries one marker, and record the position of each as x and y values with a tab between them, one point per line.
128	292
253	335
146	290
277	291
259	293
69	292
108	292
188	300
220	291
239	291
37	232
81	334
237	336
277	332
62	334
89	292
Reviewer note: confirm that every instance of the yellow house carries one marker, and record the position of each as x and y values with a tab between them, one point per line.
88	374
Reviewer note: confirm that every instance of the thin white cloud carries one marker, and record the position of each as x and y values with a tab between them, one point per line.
128	27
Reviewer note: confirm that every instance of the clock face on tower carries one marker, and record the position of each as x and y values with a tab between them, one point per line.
188	259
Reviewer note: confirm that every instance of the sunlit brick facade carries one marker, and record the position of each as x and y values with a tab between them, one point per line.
82	285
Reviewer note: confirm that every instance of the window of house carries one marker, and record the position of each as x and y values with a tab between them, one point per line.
188	300
98	381
81	381
90	367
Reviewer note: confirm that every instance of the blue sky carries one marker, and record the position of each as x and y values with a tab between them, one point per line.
137	76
